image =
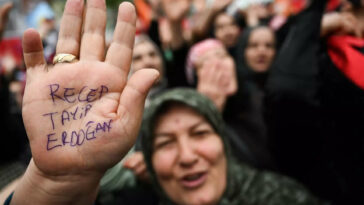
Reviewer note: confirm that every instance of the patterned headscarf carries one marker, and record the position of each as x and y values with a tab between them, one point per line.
197	51
244	185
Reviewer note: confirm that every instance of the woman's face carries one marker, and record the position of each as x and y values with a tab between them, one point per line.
189	158
146	56
260	51
226	30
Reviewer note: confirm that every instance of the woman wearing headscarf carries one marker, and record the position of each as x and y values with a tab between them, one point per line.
255	54
208	60
189	160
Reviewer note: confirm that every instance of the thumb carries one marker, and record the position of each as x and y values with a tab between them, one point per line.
133	97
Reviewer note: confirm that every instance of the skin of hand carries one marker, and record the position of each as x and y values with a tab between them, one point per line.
104	108
339	24
219	5
137	164
217	81
170	30
176	10
4	14
203	19
251	15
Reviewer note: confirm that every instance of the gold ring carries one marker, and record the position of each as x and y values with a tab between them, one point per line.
64	58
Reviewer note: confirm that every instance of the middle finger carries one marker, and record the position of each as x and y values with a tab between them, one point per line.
93	39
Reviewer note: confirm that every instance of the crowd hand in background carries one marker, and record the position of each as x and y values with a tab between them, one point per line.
137	165
104	107
219	5
170	30
176	10
4	13
204	19
254	13
217	80
340	23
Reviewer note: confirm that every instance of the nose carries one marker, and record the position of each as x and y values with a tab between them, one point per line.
145	61
187	155
262	49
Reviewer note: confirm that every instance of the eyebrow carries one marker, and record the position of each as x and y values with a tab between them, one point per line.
166	134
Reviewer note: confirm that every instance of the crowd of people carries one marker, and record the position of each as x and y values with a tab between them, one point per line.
191	102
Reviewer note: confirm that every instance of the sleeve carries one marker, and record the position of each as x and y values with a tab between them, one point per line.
117	178
279	190
175	67
292	104
153	32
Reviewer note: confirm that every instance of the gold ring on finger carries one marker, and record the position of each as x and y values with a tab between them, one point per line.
64	58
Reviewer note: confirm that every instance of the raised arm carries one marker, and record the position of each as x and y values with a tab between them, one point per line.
204	20
171	29
83	116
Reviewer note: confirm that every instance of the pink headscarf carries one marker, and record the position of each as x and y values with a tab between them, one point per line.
195	52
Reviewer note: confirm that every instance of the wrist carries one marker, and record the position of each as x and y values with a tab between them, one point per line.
36	187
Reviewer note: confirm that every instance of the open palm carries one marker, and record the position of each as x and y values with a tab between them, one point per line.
84	116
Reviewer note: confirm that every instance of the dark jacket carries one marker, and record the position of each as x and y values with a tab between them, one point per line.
314	115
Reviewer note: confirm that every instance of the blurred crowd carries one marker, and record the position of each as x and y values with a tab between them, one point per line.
286	77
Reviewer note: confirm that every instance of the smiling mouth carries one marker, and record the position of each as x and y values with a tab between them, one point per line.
191	181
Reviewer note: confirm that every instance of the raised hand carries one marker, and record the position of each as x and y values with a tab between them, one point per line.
343	23
217	80
219	5
4	14
176	10
82	117
137	164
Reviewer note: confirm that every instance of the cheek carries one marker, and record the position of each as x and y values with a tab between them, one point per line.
212	149
158	64
163	163
137	66
234	30
271	54
249	56
220	33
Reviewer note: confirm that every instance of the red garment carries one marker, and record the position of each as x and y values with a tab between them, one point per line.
347	58
144	15
11	48
332	5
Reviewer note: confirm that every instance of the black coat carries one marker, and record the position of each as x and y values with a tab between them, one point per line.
314	115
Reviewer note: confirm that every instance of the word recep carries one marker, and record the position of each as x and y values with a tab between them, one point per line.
70	95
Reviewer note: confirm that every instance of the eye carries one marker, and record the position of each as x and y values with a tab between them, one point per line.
137	57
163	143
201	133
252	45
152	54
269	45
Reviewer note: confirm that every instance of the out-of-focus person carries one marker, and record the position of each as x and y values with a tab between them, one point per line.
188	157
226	30
213	71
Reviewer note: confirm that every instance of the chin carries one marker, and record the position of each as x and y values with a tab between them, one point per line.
261	69
201	200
